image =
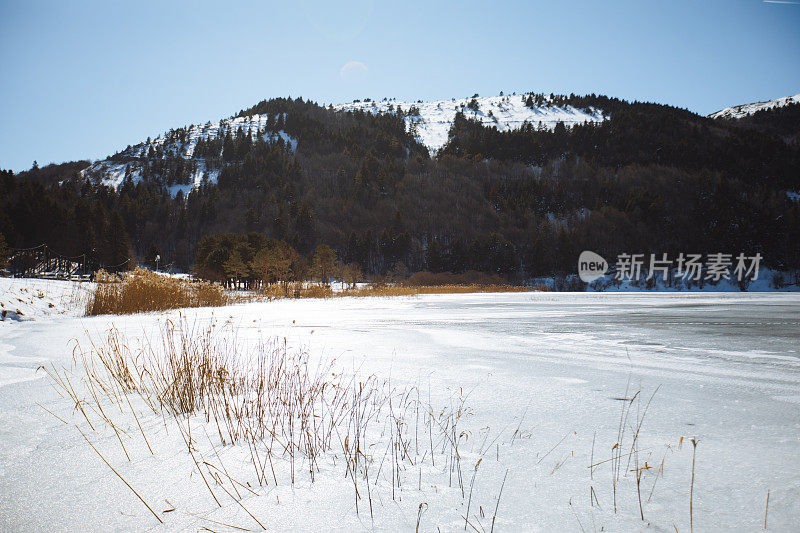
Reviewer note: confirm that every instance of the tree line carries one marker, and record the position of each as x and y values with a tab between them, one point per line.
252	260
651	179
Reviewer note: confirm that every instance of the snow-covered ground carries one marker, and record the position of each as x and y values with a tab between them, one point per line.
30	299
509	112
744	110
544	376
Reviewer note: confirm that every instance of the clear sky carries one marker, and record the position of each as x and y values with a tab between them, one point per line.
85	79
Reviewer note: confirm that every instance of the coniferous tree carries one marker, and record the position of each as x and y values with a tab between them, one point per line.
117	245
235	267
324	262
5	253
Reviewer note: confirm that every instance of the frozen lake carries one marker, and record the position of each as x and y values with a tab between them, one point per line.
543	374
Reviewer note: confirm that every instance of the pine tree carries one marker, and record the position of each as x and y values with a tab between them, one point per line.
5	253
324	261
117	245
433	257
272	265
351	274
235	267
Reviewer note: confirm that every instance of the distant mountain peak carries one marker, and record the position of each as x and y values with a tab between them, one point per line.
744	110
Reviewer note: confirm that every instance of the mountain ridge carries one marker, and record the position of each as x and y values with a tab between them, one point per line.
512	201
744	110
428	122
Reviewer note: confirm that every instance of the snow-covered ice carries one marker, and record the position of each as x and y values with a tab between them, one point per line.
542	373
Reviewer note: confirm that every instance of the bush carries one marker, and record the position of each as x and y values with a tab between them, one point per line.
142	291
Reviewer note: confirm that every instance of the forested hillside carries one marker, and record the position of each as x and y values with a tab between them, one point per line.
783	122
520	201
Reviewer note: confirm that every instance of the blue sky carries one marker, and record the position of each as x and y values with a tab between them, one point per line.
85	79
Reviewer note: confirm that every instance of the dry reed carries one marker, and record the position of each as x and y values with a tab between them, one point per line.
410	290
285	411
278	291
142	291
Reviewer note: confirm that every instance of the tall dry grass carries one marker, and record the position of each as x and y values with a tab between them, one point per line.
142	291
419	283
277	291
312	290
292	416
410	290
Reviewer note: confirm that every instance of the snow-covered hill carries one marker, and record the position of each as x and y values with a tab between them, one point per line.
434	119
181	144
744	110
430	122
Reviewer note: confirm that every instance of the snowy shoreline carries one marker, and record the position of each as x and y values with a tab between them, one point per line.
542	374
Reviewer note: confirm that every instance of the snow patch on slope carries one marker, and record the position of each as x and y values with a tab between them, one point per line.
290	141
177	144
182	143
744	110
508	112
429	121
